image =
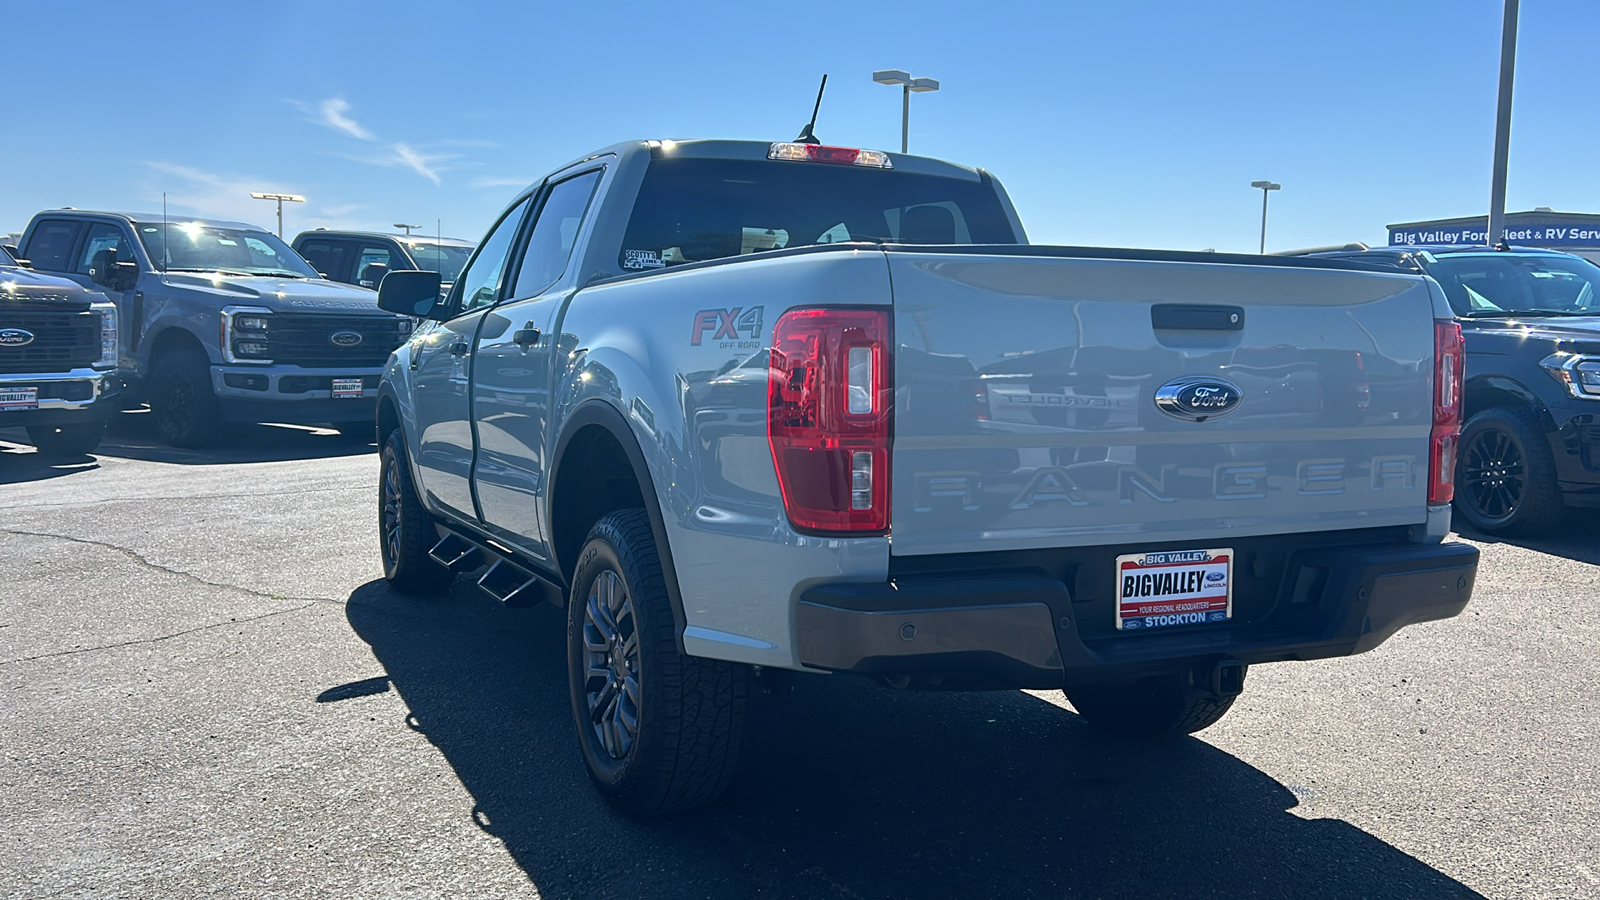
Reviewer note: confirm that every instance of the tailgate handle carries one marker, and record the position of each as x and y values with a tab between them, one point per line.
1191	317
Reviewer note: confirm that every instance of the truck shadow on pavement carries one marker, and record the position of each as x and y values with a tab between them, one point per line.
132	435
1575	537
851	790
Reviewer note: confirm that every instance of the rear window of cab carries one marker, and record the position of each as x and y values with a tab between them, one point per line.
692	210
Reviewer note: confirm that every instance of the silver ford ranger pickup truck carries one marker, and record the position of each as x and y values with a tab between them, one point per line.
746	409
222	322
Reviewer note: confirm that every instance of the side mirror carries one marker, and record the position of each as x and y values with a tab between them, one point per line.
412	293
124	275
372	275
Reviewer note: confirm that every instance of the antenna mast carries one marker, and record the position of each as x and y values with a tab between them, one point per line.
806	137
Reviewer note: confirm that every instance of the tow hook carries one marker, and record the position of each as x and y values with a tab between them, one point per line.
1227	678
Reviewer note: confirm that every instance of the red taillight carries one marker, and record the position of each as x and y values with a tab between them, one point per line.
1448	373
829	402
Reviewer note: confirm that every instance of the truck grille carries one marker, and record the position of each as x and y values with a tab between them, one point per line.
302	340
62	340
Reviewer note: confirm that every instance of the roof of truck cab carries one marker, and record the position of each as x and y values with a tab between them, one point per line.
404	238
758	150
147	218
1444	250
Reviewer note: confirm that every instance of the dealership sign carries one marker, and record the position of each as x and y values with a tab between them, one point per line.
1543	235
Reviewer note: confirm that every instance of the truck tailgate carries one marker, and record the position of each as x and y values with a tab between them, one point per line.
1026	414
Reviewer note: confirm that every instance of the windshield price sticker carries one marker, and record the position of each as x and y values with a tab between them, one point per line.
1174	587
17	399
346	388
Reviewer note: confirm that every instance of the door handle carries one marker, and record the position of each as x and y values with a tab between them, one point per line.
458	349
526	337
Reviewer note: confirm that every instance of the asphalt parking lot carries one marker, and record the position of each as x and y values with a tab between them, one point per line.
206	690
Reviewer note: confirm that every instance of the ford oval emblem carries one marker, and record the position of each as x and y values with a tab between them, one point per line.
346	338
1198	399
15	337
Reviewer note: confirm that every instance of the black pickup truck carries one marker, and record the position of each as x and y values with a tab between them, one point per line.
1531	322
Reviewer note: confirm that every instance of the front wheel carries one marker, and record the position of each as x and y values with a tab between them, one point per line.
659	731
182	401
405	531
1506	477
1154	707
67	440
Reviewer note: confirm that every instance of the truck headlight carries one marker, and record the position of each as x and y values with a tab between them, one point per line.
244	334
108	335
1581	374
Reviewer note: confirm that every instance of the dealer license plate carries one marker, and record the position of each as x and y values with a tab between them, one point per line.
1174	587
346	388
16	399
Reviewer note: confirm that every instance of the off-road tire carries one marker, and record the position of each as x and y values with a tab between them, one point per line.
78	439
1539	504
182	400
690	711
1155	707
405	530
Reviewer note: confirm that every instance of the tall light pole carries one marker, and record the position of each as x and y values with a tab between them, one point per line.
281	198
1502	125
904	79
406	227
1266	187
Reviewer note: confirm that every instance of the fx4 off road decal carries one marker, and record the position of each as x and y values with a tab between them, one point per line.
731	329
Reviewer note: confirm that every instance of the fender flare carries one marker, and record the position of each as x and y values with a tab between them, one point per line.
599	412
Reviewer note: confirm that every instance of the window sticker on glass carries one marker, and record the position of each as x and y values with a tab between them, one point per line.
642	259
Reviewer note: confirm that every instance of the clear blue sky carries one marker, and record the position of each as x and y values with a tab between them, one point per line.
1114	123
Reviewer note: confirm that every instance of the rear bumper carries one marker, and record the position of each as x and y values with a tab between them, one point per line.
64	398
1025	630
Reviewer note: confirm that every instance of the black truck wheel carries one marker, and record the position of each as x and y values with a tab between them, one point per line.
67	440
182	401
659	731
1506	474
1154	707
405	531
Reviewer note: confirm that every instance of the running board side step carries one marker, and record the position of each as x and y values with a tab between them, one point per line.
515	586
505	579
456	553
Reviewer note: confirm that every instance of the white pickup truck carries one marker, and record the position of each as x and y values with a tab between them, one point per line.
743	408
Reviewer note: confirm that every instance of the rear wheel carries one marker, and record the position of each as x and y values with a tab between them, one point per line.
67	440
1154	707
1506	477
659	731
182	401
405	531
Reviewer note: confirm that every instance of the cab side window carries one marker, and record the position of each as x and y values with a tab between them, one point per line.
328	257
102	237
479	285
550	243
50	245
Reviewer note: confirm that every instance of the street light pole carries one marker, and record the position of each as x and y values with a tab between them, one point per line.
1502	125
908	84
1265	187
292	198
406	227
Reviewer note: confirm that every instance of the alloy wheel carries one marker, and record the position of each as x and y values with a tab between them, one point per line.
391	511
611	664
1493	474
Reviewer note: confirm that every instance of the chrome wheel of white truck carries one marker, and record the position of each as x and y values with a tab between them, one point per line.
659	731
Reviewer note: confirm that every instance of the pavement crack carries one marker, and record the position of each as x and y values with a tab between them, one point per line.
168	570
165	637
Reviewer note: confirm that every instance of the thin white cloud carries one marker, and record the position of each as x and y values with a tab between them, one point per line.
332	114
424	164
214	195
